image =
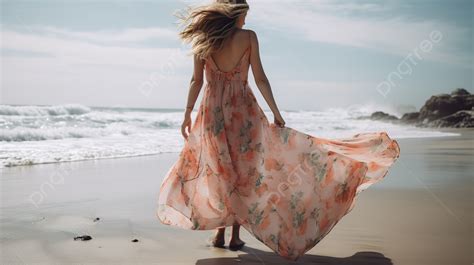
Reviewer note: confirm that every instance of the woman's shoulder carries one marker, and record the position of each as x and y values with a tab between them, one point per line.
247	34
244	32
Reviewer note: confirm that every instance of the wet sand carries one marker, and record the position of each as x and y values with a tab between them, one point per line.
421	213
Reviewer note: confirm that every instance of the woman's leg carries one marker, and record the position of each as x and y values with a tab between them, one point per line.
219	239
235	242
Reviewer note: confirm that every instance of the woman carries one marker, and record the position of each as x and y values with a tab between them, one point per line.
287	188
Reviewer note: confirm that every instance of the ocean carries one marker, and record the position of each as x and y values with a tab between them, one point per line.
51	134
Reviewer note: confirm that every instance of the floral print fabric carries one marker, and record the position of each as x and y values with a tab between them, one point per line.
287	188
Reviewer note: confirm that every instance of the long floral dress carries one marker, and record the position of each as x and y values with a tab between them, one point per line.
287	188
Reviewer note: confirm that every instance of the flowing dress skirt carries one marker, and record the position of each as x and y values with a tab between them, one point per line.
287	188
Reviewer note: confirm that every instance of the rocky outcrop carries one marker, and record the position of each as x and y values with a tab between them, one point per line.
379	115
411	117
443	105
455	110
460	119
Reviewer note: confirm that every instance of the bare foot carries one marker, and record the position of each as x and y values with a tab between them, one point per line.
219	239
236	244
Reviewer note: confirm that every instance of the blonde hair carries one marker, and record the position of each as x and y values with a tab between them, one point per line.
206	27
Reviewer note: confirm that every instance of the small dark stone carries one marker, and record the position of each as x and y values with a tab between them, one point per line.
135	240
83	238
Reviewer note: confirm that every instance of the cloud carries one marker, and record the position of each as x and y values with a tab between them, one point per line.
42	64
335	23
79	48
90	67
112	36
314	94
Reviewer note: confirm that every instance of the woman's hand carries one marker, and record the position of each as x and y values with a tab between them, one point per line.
186	124
279	120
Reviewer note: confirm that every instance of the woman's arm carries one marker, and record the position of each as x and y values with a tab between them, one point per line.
261	79
196	83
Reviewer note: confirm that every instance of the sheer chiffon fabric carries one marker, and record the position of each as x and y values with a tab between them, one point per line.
287	188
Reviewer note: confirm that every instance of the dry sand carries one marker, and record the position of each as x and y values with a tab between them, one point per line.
421	213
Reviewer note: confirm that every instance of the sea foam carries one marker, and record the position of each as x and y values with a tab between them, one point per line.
48	134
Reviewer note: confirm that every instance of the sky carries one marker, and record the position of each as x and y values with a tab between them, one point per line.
316	54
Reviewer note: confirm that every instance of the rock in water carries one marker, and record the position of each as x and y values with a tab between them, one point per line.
460	119
453	110
443	105
135	240
380	115
411	117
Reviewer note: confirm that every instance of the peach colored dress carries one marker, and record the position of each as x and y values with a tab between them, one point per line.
287	188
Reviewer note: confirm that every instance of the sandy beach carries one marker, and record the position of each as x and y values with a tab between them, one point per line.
421	213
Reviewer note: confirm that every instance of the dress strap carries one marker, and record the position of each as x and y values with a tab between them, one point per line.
250	42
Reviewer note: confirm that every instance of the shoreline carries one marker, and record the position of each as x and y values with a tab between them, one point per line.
459	131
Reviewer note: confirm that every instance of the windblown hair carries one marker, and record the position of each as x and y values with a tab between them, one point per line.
207	27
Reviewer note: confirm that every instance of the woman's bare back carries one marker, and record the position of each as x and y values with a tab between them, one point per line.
232	50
